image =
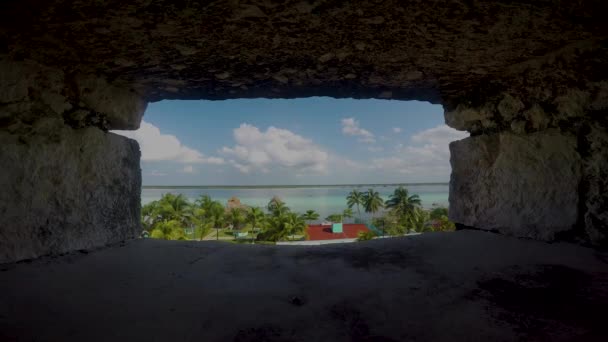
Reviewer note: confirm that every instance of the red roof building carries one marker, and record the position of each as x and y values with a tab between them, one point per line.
324	232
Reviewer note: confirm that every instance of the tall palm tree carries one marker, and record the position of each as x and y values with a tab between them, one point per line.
200	222
216	213
255	216
277	207
294	224
355	198
274	228
347	213
236	217
372	202
310	215
403	204
204	201
175	207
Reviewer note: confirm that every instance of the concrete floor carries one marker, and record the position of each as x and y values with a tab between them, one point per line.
467	285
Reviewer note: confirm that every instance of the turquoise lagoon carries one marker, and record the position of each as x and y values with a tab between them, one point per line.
325	199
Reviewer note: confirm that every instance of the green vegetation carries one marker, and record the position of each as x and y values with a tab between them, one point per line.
173	217
281	223
338	218
334	218
365	236
402	212
355	198
372	202
347	213
310	215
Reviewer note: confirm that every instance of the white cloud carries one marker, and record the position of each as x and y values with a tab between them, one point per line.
427	155
156	146
375	149
188	169
396	129
264	151
350	126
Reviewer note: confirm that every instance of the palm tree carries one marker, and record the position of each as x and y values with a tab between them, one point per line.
236	217
334	218
277	207
215	214
294	224
175	207
347	213
204	202
274	228
200	222
255	217
310	215
372	202
404	205
355	198
149	215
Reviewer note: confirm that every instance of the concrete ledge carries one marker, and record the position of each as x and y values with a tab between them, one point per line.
467	285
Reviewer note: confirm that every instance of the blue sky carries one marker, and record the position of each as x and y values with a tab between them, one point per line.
298	141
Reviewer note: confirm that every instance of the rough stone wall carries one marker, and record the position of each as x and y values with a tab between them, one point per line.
66	182
595	184
30	90
66	190
525	186
435	50
532	168
521	76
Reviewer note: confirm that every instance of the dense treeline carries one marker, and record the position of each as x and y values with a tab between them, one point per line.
401	214
174	217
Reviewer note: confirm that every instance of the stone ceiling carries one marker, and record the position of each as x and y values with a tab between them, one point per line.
434	50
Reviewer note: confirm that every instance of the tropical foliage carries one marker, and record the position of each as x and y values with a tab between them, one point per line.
334	218
174	217
401	214
310	215
236	217
364	236
282	226
347	213
438	212
255	217
402	203
355	198
372	202
170	217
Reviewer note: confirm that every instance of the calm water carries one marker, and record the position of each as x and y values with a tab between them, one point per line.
324	200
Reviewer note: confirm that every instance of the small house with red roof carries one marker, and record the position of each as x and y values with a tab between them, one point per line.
335	231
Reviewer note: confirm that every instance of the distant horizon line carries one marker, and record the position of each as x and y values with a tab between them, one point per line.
242	186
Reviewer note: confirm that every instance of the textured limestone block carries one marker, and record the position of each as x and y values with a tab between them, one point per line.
123	107
596	181
525	186
66	190
474	120
29	90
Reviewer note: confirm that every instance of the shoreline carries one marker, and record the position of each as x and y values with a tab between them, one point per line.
286	186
